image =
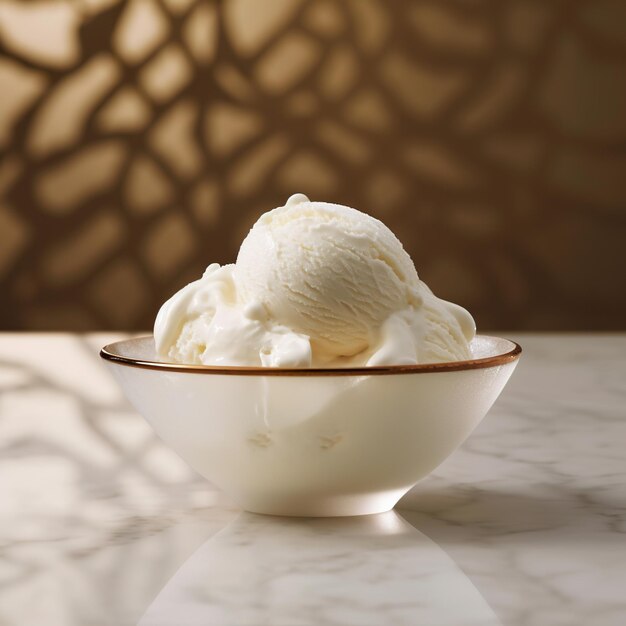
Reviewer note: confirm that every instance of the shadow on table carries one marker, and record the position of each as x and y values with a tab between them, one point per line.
460	513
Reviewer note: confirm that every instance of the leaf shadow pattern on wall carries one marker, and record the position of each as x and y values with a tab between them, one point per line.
141	139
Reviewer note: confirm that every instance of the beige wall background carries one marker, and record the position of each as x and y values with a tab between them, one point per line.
139	141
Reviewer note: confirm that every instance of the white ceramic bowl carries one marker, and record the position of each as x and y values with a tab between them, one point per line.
313	442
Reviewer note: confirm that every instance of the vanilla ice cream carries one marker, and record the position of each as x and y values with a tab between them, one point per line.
315	285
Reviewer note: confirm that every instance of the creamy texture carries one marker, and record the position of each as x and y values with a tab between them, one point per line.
315	285
206	322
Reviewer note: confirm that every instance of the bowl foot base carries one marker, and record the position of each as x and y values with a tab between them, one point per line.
324	506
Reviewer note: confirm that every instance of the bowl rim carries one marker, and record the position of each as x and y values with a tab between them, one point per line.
111	353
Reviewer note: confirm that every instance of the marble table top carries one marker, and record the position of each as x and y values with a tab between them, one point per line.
101	525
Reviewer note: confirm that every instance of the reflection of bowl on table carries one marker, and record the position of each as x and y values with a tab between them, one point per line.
314	442
374	569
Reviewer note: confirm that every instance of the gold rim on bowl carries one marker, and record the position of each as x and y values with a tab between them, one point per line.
111	353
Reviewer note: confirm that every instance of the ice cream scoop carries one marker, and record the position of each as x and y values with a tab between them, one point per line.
314	284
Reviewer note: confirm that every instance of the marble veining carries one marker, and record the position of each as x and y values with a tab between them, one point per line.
101	525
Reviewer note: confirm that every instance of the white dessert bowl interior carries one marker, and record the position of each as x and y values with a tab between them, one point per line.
313	442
